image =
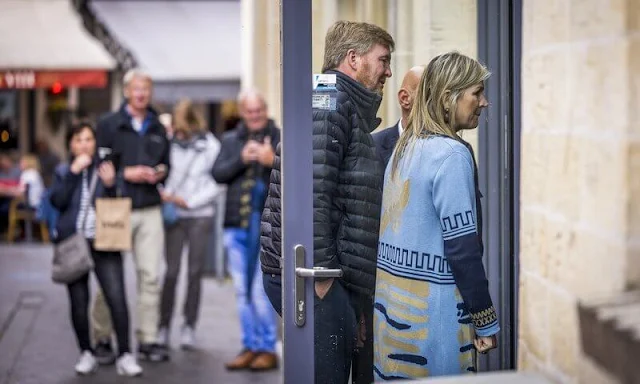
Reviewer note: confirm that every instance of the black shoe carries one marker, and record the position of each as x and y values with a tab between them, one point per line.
153	352
104	353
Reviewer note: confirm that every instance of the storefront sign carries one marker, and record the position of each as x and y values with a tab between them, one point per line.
29	79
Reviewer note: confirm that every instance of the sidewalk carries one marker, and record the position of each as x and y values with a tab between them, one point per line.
37	344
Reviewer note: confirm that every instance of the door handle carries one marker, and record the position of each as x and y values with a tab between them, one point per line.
299	287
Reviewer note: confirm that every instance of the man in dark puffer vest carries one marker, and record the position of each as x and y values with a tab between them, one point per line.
347	191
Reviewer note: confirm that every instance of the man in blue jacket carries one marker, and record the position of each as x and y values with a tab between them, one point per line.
135	141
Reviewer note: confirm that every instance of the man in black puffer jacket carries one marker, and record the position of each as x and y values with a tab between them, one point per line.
347	191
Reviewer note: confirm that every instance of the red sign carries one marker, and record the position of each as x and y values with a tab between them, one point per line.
29	79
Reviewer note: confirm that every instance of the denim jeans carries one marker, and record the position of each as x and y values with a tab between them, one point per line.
257	317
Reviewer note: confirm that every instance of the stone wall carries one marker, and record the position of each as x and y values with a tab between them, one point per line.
580	200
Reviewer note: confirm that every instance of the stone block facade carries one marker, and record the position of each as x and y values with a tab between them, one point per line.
579	197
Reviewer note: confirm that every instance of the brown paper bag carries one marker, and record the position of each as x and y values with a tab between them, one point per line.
113	224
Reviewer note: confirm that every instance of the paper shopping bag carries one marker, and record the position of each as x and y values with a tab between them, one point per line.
113	224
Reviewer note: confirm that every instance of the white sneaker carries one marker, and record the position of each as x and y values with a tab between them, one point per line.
126	365
86	364
163	336
188	338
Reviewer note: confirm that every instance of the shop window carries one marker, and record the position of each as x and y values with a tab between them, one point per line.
9	130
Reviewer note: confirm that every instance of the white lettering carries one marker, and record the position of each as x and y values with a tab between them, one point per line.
20	79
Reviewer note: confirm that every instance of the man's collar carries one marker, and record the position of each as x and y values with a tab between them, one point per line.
366	101
127	109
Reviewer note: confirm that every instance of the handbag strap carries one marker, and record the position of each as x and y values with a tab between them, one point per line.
92	190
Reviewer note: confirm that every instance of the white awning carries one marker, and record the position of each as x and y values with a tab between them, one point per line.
47	35
189	48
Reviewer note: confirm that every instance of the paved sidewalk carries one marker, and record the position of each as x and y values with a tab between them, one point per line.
37	344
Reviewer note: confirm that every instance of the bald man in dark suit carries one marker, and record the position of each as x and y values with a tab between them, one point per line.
386	139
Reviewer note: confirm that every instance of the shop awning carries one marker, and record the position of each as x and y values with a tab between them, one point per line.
44	42
190	48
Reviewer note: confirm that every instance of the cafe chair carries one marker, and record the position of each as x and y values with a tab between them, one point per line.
19	213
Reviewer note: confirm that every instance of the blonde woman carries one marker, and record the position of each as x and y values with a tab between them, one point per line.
31	180
432	305
192	190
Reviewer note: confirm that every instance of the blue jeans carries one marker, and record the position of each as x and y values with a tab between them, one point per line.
257	317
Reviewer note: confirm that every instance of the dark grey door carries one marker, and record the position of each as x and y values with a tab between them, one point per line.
297	190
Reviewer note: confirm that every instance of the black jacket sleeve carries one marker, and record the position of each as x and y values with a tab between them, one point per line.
166	159
275	143
62	189
271	223
229	163
330	140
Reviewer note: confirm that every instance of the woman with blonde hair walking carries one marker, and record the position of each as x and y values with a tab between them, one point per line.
189	195
432	305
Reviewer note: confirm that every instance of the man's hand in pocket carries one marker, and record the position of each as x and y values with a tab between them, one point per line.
322	287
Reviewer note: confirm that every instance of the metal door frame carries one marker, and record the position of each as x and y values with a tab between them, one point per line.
297	182
499	47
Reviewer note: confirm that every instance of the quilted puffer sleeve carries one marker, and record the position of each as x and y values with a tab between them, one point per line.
330	140
271	223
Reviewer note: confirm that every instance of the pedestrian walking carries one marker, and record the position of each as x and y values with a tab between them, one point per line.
189	196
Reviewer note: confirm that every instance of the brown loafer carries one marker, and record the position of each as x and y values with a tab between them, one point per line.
264	361
242	361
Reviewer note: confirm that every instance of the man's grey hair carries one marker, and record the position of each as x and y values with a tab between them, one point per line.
135	74
249	93
343	36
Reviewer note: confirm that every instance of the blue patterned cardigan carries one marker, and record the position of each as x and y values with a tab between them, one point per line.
431	290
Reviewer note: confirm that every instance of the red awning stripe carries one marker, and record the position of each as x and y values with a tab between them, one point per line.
29	79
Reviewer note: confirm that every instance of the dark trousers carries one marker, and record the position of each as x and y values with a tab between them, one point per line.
335	338
195	232
110	273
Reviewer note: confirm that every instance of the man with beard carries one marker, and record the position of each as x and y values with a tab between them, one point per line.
347	192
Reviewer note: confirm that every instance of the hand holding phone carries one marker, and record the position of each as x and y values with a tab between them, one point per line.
159	173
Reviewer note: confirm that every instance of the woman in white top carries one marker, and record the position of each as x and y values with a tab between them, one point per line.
31	180
191	188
